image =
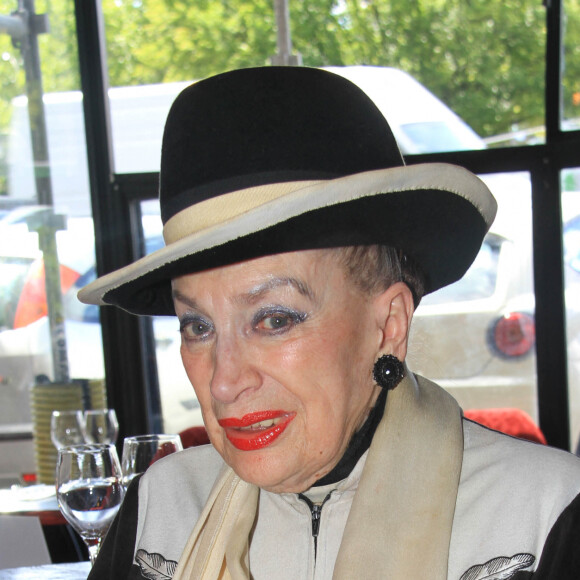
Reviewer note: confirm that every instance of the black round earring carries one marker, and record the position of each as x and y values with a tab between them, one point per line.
388	371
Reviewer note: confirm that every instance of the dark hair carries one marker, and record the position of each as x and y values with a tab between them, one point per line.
374	268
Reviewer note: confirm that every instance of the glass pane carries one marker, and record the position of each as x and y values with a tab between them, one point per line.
46	248
476	69
179	406
571	75
477	337
571	242
137	118
486	361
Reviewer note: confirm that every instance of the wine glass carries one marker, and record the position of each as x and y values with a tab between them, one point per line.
101	426
67	428
89	489
140	451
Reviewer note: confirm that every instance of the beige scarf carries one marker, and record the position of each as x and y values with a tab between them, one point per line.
399	526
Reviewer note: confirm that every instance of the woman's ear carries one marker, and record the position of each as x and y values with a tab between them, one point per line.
394	310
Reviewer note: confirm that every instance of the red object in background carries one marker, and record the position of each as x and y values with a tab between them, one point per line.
32	302
514	422
194	436
28	478
514	334
164	450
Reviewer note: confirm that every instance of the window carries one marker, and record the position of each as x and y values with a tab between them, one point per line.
46	238
476	337
456	80
438	95
571	243
571	68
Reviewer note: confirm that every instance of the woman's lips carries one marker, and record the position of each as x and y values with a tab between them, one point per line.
256	430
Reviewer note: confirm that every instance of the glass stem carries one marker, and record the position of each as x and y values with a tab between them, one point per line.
93	544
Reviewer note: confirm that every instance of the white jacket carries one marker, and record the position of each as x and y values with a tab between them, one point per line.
497	516
510	495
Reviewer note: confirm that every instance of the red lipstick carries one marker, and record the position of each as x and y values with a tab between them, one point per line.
246	433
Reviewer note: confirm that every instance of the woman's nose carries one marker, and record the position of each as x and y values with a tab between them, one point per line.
233	372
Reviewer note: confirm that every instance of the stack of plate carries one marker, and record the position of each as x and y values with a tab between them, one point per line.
49	397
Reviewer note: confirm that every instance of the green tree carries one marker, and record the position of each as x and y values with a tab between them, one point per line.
571	76
167	40
484	58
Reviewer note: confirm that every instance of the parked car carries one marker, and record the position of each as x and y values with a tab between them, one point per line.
475	337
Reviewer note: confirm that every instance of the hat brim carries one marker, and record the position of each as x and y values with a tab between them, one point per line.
436	213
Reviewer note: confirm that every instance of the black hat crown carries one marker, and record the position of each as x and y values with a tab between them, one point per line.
259	126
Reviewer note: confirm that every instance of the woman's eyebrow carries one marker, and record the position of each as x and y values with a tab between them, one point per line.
179	297
259	291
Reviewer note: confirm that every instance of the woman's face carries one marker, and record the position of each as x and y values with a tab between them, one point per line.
280	352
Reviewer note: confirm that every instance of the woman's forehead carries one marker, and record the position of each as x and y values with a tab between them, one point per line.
302	271
306	261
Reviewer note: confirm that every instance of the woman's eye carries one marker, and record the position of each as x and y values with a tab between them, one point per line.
277	321
195	329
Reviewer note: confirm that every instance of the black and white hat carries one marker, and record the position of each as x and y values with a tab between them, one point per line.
267	160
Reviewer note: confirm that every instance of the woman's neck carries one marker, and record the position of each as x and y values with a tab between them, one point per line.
359	443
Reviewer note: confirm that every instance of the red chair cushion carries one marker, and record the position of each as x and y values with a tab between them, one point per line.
514	422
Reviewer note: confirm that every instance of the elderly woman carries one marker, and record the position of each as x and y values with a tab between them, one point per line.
297	247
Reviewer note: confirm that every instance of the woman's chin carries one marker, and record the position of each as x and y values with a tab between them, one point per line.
279	486
274	472
266	471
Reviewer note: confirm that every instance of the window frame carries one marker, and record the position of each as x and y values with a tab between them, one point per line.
134	391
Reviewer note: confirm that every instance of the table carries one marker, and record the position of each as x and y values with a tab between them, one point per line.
39	501
35	500
76	571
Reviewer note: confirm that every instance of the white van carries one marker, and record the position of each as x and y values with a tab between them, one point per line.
420	122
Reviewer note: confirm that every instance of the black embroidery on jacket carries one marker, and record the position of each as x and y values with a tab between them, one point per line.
155	566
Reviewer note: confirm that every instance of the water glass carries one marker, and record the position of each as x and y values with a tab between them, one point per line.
67	428
141	451
101	426
89	489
